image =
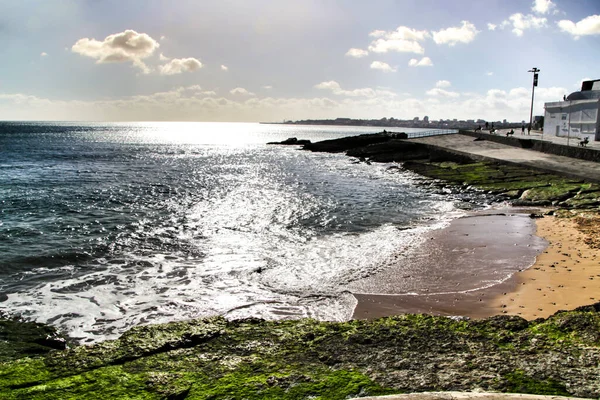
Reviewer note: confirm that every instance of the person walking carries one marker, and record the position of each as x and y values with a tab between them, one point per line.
522	129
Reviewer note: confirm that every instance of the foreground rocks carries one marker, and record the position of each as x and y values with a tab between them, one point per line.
257	359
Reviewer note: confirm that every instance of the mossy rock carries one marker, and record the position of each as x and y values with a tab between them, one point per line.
252	358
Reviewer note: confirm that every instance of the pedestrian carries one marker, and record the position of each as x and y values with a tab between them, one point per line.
529	129
522	129
487	126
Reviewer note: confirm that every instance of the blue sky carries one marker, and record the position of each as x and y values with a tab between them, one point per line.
269	60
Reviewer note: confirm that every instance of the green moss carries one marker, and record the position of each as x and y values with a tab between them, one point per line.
320	383
519	382
575	327
253	358
103	383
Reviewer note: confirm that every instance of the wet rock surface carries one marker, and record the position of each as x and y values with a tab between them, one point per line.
20	338
252	358
292	141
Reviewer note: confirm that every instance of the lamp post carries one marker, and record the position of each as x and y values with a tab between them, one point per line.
535	83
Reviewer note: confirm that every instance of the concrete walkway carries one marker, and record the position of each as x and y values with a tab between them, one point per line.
464	396
539	135
561	165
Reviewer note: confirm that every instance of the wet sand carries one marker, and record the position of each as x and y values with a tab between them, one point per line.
565	274
459	270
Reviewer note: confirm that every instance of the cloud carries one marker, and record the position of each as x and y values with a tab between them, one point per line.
437	92
241	91
192	104
180	65
336	89
127	46
385	67
357	53
489	73
402	40
587	26
224	68
43	54
424	62
453	35
492	27
161	57
542	6
442	84
521	22
377	33
268	87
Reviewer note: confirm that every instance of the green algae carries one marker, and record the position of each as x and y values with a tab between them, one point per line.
296	359
524	185
519	382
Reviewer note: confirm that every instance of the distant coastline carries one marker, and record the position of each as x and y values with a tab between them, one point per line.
400	123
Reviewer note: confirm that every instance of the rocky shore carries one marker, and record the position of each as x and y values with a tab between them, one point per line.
215	358
257	359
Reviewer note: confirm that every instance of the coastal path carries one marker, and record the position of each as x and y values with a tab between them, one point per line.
487	149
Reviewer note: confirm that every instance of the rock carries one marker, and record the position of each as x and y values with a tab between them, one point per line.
292	141
253	358
347	143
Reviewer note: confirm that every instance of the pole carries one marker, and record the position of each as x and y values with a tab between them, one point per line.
569	125
535	78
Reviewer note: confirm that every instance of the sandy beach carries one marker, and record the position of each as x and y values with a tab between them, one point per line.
563	273
565	276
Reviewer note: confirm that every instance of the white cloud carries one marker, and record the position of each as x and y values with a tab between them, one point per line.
492	27
43	54
336	89
224	67
587	26
402	40
161	57
437	92
191	104
442	84
180	65
453	35
357	53
489	73
377	33
163	37
385	67
398	45
543	6
127	46
268	87
424	62
521	22
241	91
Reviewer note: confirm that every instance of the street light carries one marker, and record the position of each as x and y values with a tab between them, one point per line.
535	83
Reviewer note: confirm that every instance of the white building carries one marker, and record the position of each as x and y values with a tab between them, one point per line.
577	115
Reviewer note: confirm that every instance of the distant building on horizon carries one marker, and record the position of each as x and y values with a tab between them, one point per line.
576	115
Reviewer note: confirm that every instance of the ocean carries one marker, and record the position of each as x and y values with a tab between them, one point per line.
104	226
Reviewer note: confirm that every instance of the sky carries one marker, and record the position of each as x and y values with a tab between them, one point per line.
273	60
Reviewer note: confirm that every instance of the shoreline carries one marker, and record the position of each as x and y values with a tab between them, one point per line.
563	275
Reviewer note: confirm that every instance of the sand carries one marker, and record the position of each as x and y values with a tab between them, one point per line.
565	276
563	272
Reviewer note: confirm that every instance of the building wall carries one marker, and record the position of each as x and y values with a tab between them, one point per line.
575	119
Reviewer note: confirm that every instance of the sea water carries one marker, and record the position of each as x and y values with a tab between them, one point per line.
104	226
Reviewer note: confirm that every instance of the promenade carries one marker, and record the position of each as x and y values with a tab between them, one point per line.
487	149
